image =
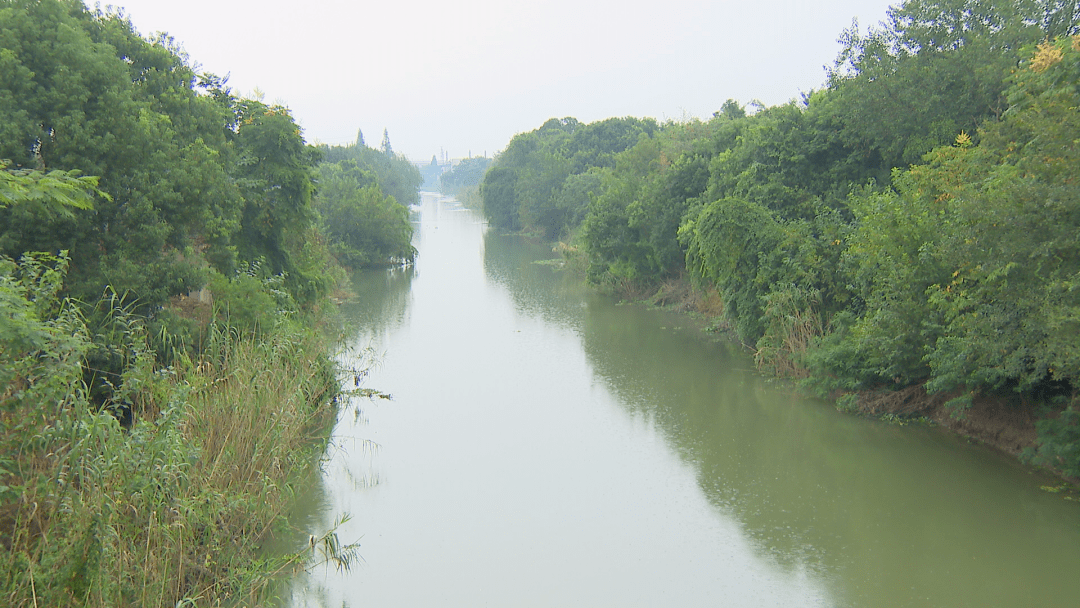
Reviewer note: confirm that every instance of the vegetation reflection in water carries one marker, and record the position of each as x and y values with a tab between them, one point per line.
885	512
848	496
880	515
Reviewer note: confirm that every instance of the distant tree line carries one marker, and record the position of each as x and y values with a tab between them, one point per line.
463	180
362	202
914	223
540	182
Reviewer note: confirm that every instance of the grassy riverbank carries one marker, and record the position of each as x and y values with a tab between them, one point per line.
164	496
164	252
1001	420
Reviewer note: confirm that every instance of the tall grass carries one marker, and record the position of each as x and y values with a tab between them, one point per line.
173	510
792	324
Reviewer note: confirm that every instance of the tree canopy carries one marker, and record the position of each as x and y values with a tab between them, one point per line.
522	188
911	224
189	180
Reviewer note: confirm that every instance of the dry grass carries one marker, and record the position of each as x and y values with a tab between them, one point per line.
709	303
674	294
793	325
907	401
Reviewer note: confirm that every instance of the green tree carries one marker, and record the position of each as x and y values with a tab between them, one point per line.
84	93
540	162
934	69
615	229
468	173
500	198
364	227
47	193
965	272
397	176
385	146
731	110
729	243
1011	313
275	170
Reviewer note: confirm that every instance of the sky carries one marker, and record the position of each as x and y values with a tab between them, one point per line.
463	77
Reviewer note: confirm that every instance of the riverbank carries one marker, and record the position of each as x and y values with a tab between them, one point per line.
173	505
531	414
1004	422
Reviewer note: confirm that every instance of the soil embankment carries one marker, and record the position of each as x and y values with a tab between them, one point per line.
1004	423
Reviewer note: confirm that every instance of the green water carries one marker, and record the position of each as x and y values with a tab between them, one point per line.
547	447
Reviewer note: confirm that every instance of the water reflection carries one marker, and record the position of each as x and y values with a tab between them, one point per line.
879	511
906	514
380	300
548	448
528	272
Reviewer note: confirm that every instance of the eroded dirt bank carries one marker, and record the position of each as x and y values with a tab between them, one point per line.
1002	422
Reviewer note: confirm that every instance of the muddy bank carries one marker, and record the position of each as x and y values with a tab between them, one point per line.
1005	423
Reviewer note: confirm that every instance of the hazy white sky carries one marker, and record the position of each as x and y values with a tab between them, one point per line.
467	75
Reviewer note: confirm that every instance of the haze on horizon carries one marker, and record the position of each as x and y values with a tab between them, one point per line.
465	77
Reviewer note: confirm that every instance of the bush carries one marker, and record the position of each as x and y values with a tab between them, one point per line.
249	302
173	508
1058	442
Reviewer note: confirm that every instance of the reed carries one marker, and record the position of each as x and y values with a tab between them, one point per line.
173	510
792	326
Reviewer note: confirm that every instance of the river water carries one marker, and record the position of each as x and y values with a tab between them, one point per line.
547	447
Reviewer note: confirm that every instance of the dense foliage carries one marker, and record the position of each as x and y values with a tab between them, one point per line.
467	174
396	175
913	223
168	507
524	187
197	178
160	238
363	202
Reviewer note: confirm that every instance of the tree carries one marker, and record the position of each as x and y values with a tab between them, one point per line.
398	177
364	226
499	196
431	174
541	161
1011	311
731	110
966	272
466	174
616	226
84	93
49	193
934	69
276	171
386	148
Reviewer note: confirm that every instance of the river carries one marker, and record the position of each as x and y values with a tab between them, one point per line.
547	447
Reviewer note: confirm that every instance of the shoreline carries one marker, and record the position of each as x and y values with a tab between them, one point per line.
1005	423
